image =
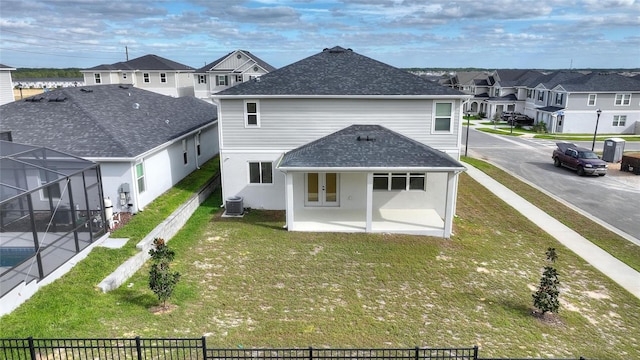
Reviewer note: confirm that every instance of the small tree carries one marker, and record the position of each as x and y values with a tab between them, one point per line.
161	279
545	298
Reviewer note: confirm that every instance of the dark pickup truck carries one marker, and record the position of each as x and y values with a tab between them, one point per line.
582	160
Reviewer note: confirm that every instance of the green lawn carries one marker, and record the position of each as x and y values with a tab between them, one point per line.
247	282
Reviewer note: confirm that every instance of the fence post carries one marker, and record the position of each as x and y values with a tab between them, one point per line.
204	348
138	348
417	356
310	353
32	349
475	352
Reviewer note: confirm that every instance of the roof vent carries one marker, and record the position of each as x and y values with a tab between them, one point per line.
367	138
58	99
34	99
86	90
123	87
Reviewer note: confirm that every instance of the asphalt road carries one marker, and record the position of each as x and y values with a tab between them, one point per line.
612	200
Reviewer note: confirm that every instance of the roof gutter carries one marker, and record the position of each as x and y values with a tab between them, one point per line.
377	97
370	169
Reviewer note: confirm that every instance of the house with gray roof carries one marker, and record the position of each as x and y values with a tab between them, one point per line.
149	72
229	70
144	142
350	145
6	86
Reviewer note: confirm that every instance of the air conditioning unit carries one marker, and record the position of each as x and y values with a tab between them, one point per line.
233	206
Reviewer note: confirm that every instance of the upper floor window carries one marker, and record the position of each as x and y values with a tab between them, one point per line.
260	172
623	99
163	77
145	77
97	78
529	93
222	80
442	118
619	120
591	100
540	95
559	98
251	113
238	78
497	92
202	79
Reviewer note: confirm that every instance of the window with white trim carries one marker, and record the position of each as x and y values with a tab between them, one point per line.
163	77
251	113
591	100
623	100
97	78
559	98
529	93
202	79
238	78
140	177
619	120
261	172
145	77
540	95
185	153
222	80
443	117
399	181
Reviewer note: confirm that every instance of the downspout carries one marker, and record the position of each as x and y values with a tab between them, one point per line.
195	147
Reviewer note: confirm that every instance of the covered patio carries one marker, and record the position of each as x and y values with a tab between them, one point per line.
366	178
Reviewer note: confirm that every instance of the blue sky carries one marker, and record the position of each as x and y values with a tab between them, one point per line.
544	34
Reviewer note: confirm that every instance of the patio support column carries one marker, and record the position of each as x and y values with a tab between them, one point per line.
289	199
450	206
369	216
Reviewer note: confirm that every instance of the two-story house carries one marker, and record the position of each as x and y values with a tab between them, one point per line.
231	69
149	72
573	105
344	143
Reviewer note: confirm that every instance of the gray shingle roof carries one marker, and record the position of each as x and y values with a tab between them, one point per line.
341	72
146	62
601	82
103	121
349	148
551	80
259	61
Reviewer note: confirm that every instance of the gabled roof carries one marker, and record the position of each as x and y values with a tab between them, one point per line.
339	72
5	67
514	77
508	97
366	147
211	66
103	121
146	62
468	77
598	82
551	80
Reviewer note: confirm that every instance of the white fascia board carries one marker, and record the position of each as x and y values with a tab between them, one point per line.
371	169
376	97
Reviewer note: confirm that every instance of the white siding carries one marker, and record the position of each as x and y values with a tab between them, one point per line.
287	124
235	182
6	89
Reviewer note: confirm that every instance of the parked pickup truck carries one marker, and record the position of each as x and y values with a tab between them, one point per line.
583	161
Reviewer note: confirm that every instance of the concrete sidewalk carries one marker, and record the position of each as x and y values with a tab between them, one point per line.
615	269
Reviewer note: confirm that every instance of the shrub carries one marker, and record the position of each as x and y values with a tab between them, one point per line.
161	279
545	298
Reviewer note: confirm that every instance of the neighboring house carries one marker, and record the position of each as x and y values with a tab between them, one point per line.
571	105
144	142
506	90
344	143
6	87
149	72
47	83
234	68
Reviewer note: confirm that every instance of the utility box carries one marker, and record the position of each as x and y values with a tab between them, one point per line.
613	150
234	206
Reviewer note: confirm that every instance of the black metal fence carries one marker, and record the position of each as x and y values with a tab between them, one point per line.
188	349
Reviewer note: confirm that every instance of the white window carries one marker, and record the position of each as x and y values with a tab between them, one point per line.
442	117
163	77
97	78
52	190
251	113
145	77
202	79
540	95
619	120
197	140
623	99
140	177
185	156
591	101
399	181
222	80
529	93
260	172
559	98
238	78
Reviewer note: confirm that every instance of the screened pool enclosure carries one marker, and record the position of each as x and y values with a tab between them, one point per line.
51	208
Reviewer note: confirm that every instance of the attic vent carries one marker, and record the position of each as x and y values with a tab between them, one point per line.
58	99
86	90
367	138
